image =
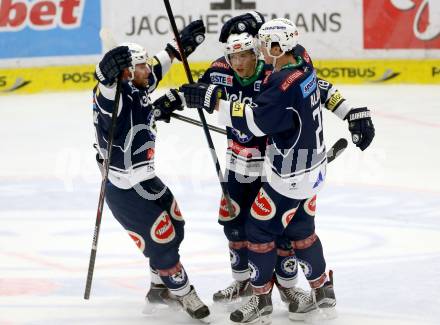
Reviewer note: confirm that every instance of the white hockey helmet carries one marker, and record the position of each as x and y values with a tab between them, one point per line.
138	56
281	31
237	43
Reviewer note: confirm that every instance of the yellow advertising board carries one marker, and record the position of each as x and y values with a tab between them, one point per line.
69	78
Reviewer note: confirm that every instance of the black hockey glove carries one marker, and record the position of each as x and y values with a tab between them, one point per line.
201	95
249	22
191	36
166	104
361	127
112	64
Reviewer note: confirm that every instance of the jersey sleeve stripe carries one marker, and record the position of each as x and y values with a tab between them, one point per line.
251	122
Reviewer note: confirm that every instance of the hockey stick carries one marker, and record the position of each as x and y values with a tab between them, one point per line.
336	149
109	43
199	110
102	191
198	123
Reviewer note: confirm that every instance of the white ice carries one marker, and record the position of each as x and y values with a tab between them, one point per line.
378	216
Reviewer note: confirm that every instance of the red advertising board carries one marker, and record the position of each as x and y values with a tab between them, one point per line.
401	24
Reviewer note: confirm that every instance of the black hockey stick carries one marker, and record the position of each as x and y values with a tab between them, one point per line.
336	149
198	123
102	191
199	110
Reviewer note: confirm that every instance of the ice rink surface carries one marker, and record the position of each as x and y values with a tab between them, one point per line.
378	215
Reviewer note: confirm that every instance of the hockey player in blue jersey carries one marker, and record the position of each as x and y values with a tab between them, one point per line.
138	199
288	112
240	73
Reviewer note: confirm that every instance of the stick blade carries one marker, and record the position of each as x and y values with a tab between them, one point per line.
336	149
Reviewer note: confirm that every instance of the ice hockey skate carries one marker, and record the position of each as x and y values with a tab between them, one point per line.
195	308
320	304
234	292
257	309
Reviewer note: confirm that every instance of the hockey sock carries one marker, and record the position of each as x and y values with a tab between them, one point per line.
239	260
262	259
286	268
176	280
310	257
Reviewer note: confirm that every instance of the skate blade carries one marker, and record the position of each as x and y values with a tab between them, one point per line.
264	320
152	308
319	315
206	320
230	305
149	309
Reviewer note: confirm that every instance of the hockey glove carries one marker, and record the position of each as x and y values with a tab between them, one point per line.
249	23
201	95
191	36
112	64
166	104
361	127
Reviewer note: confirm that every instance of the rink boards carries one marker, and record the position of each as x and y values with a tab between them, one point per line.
80	77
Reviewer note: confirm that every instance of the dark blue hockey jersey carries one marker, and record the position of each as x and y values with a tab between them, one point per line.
245	152
134	136
288	111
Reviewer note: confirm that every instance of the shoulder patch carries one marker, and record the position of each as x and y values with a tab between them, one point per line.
309	85
221	65
290	79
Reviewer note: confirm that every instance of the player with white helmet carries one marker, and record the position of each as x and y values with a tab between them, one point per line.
241	71
138	199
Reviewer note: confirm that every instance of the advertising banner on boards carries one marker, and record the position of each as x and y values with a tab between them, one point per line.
47	28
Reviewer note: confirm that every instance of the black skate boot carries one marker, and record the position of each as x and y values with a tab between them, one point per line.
193	305
236	290
321	303
257	309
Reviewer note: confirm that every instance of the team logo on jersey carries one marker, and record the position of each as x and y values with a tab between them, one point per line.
151	125
289	265
263	207
223	213
306	267
175	211
255	273
288	216
257	85
241	136
221	79
162	231
179	277
310	206
309	85
138	240
234	257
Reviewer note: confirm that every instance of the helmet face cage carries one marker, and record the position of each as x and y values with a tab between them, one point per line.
237	43
138	56
281	31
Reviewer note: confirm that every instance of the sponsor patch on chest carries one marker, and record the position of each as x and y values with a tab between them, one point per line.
221	79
